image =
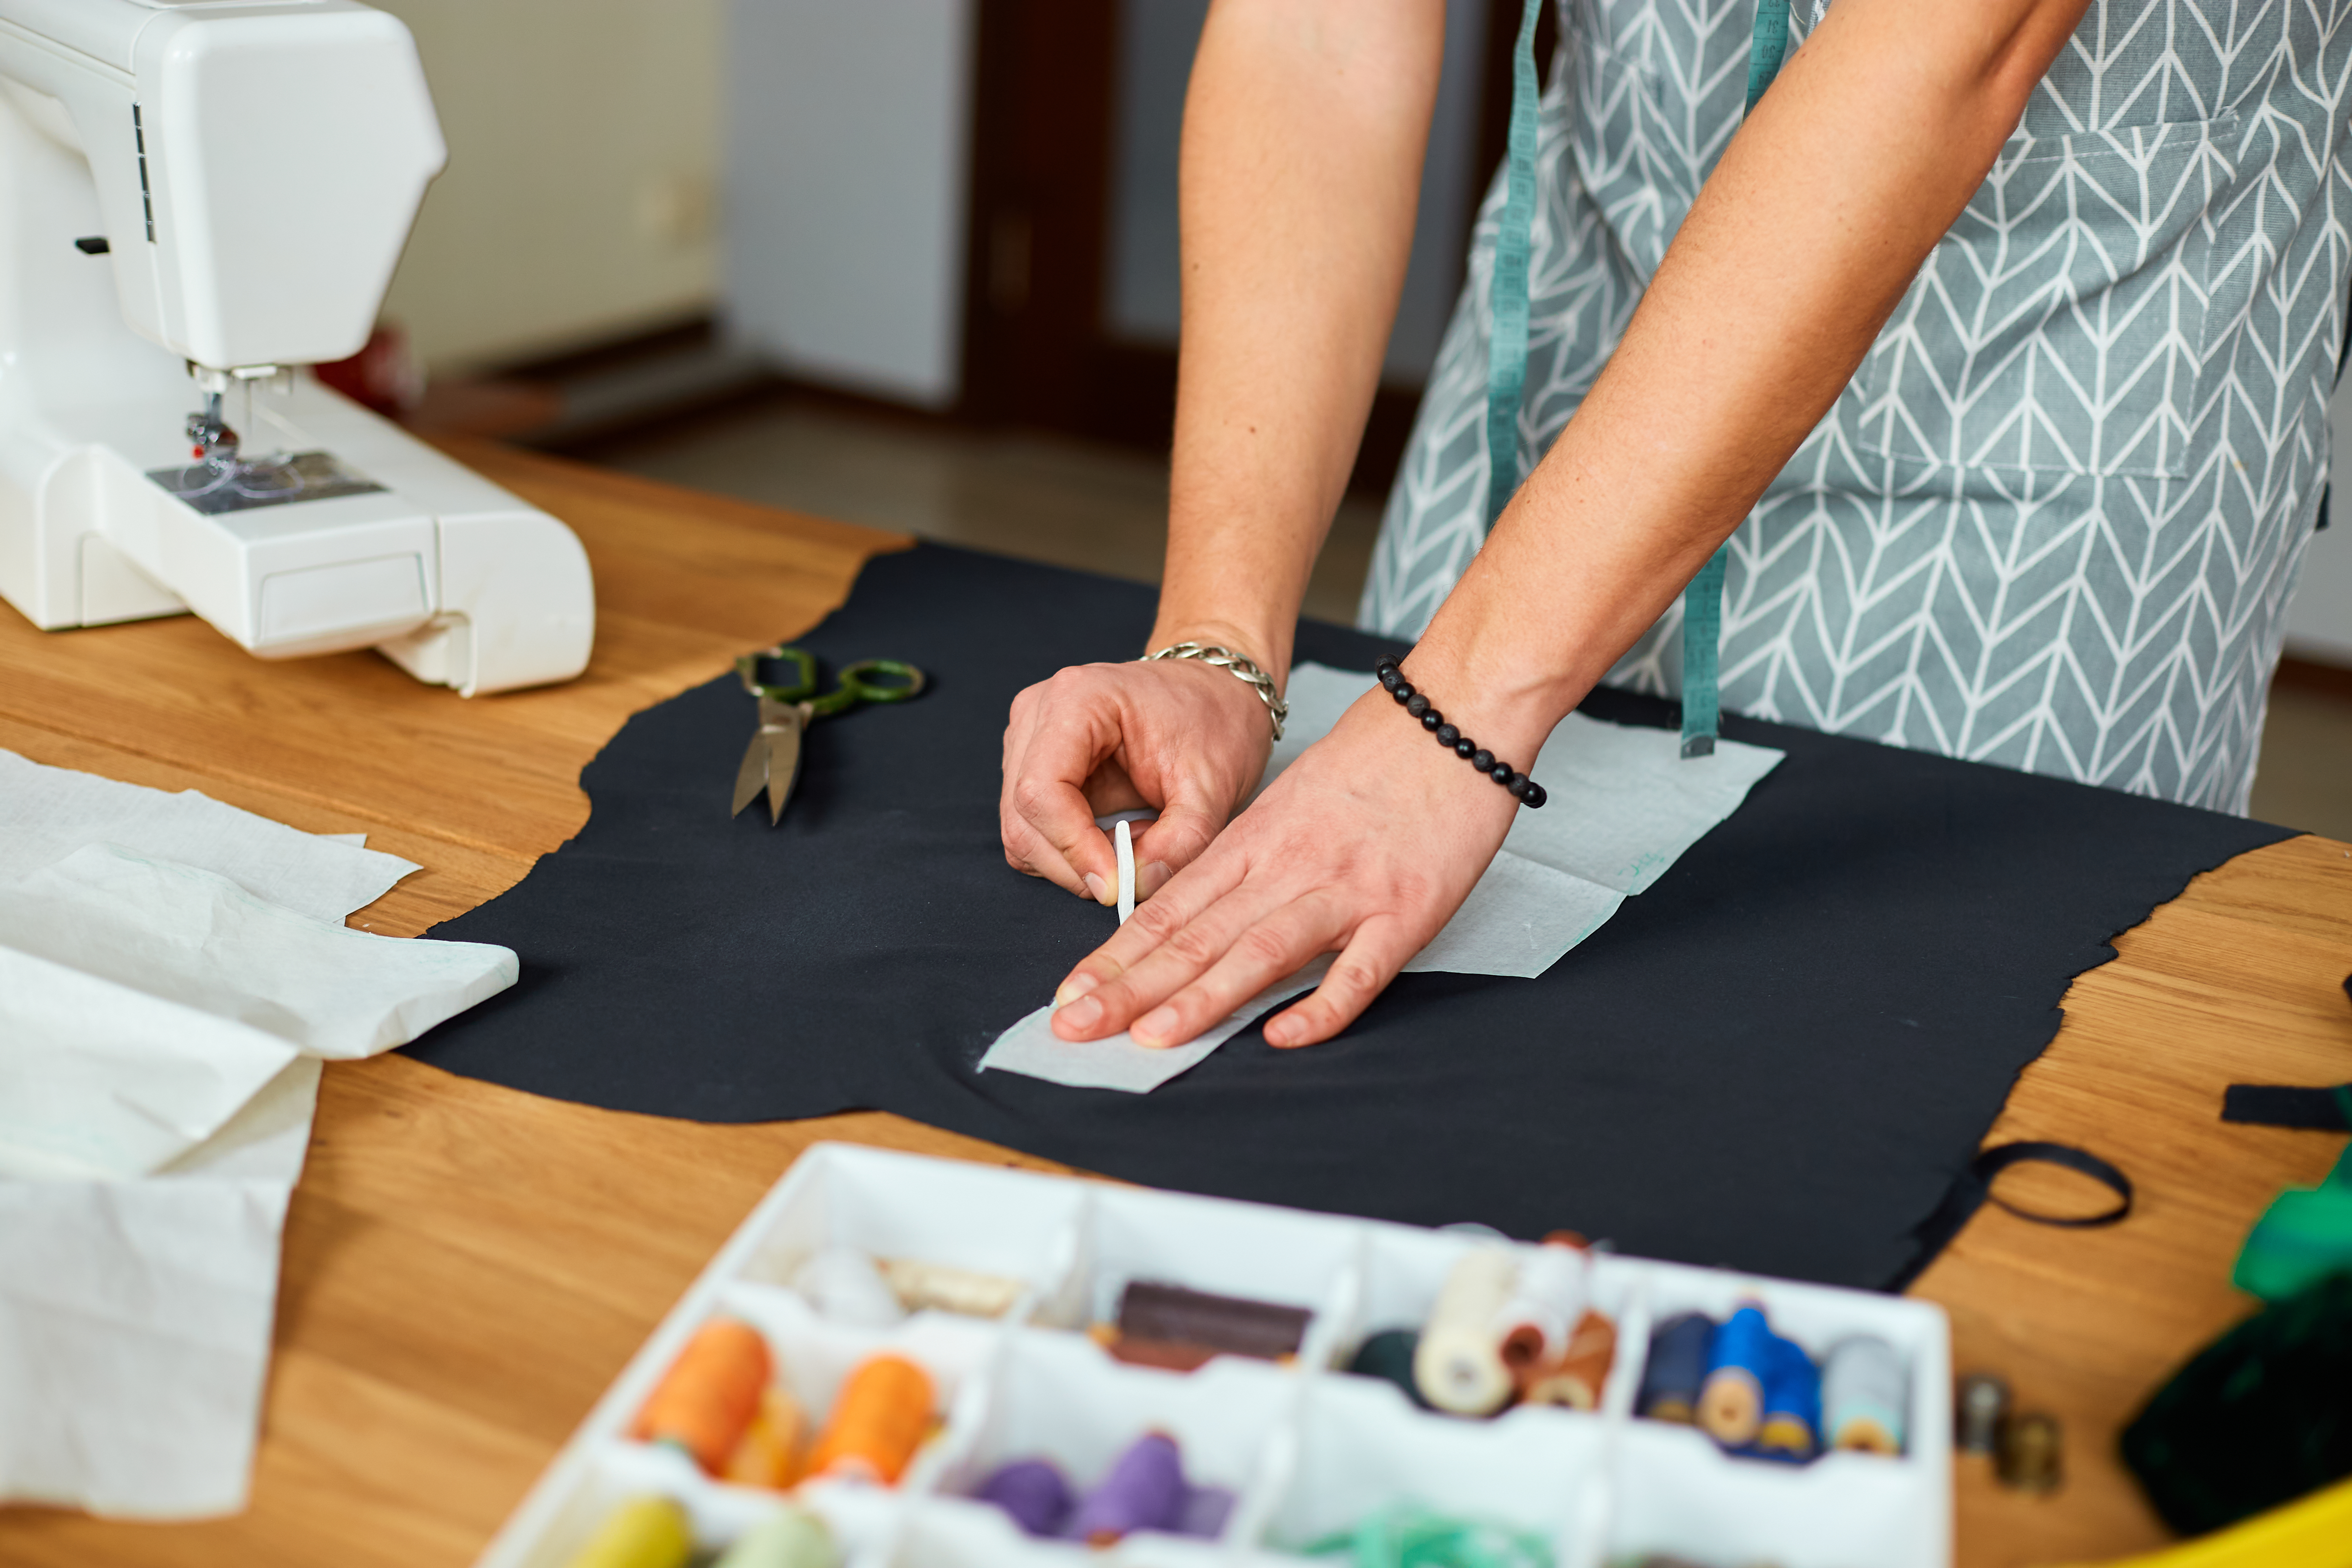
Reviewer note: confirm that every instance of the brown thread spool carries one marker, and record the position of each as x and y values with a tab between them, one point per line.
2030	1453
709	1394
878	1421
1578	1378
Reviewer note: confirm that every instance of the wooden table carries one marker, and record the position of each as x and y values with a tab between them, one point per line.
467	1267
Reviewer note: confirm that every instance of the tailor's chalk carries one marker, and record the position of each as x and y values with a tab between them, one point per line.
795	1538
643	1532
935	1286
1864	1390
1676	1369
1388	1355
1123	838
1144	1490
767	1454
709	1394
1033	1492
1228	1325
1459	1364
1792	1402
2029	1459
879	1420
844	1285
1580	1374
1738	1359
1980	1412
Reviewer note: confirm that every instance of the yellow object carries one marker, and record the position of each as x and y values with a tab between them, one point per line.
643	1532
2313	1532
769	1453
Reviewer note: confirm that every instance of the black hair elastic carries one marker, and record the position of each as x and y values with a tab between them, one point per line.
1523	790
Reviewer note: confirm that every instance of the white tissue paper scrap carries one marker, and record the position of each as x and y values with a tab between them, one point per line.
171	970
1623	805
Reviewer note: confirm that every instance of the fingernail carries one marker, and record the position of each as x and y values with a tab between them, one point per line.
1148	881
1280	1031
1083	1014
1155	1028
1075	986
1096	890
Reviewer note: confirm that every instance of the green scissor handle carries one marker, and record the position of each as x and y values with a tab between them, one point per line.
867	680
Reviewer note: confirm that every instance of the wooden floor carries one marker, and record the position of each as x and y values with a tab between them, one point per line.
466	1267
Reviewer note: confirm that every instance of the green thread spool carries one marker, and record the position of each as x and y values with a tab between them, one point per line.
1410	1536
793	1539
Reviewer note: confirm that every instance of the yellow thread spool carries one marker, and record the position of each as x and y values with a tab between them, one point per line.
769	1454
643	1532
709	1394
878	1421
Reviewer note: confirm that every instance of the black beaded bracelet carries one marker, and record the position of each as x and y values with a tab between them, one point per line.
1523	790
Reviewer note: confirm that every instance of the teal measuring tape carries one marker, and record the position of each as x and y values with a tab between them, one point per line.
1507	354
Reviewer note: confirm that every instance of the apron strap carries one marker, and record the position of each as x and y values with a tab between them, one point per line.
1507	349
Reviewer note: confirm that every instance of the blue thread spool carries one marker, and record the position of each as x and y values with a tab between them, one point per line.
1792	1403
1675	1369
1739	1358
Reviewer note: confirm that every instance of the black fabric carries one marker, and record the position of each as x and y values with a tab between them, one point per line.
2276	1105
1780	1057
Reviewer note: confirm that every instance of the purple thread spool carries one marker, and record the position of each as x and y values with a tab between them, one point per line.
1032	1491
1145	1490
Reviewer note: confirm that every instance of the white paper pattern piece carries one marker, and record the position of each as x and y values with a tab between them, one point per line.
1623	805
170	971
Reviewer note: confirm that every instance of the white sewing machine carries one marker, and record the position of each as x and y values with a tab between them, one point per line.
197	197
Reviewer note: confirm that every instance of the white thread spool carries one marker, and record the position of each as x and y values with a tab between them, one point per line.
842	1284
1459	1364
1534	1326
919	1286
1864	1388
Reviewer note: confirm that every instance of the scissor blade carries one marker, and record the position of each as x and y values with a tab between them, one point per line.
783	743
752	776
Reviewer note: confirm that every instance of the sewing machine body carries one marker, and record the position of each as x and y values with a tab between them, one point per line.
252	171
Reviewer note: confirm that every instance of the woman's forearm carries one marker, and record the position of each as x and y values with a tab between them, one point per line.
1798	247
1305	127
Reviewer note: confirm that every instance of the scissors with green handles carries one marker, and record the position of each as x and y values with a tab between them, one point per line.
773	761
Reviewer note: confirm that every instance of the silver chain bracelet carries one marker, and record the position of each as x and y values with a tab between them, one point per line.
1247	670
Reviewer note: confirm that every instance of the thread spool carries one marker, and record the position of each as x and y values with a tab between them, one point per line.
1738	1359
1174	1326
795	1538
878	1421
1459	1364
642	1532
767	1454
1388	1355
935	1286
1864	1391
844	1285
1206	1508
1981	1411
1675	1369
1792	1402
1546	1302
2030	1453
1033	1492
709	1394
1577	1378
1144	1490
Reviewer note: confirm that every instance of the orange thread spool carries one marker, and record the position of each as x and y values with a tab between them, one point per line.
710	1394
878	1421
769	1454
1578	1376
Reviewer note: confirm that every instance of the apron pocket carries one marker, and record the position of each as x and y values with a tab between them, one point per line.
2060	326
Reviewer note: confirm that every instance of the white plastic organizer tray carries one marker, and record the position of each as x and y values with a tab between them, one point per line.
1308	1449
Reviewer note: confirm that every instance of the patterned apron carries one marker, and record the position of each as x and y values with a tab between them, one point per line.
2053	521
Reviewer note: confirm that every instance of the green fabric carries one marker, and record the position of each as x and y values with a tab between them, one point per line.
1507	349
1703	599
2304	1236
2259	1417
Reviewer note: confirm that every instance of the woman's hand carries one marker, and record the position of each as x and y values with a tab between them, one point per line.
1367	844
1182	736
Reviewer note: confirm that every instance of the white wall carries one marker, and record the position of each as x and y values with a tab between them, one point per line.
848	168
2319	617
584	154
